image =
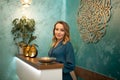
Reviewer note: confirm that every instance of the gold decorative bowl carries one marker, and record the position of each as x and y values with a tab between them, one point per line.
46	59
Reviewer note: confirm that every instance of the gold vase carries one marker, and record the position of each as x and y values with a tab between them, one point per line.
26	50
32	51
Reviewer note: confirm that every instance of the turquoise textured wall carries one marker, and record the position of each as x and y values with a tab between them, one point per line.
104	56
44	12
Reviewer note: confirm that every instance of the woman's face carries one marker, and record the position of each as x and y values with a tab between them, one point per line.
59	31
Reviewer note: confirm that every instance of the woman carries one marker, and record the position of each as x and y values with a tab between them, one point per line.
62	49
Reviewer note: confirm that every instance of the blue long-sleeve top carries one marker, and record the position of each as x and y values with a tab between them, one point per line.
64	53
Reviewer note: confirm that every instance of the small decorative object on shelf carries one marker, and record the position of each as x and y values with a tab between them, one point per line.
23	34
30	51
26	50
33	51
46	59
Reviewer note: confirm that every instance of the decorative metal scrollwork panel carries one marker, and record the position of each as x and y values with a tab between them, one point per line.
93	16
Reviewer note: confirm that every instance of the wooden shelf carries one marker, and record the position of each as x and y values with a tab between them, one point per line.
40	66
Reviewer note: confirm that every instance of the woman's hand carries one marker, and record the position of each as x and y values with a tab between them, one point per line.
72	73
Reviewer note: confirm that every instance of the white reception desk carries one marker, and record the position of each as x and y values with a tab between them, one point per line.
32	69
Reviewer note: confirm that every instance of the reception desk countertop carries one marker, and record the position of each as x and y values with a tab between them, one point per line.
41	66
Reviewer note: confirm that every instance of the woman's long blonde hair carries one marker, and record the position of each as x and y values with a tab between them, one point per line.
67	33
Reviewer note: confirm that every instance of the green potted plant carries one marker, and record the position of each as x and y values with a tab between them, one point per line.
23	31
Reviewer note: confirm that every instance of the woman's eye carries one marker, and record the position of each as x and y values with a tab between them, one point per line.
62	30
56	29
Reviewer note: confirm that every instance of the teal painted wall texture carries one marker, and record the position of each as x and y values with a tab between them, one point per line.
44	12
104	56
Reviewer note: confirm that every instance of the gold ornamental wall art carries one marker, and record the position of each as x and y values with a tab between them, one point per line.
92	19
